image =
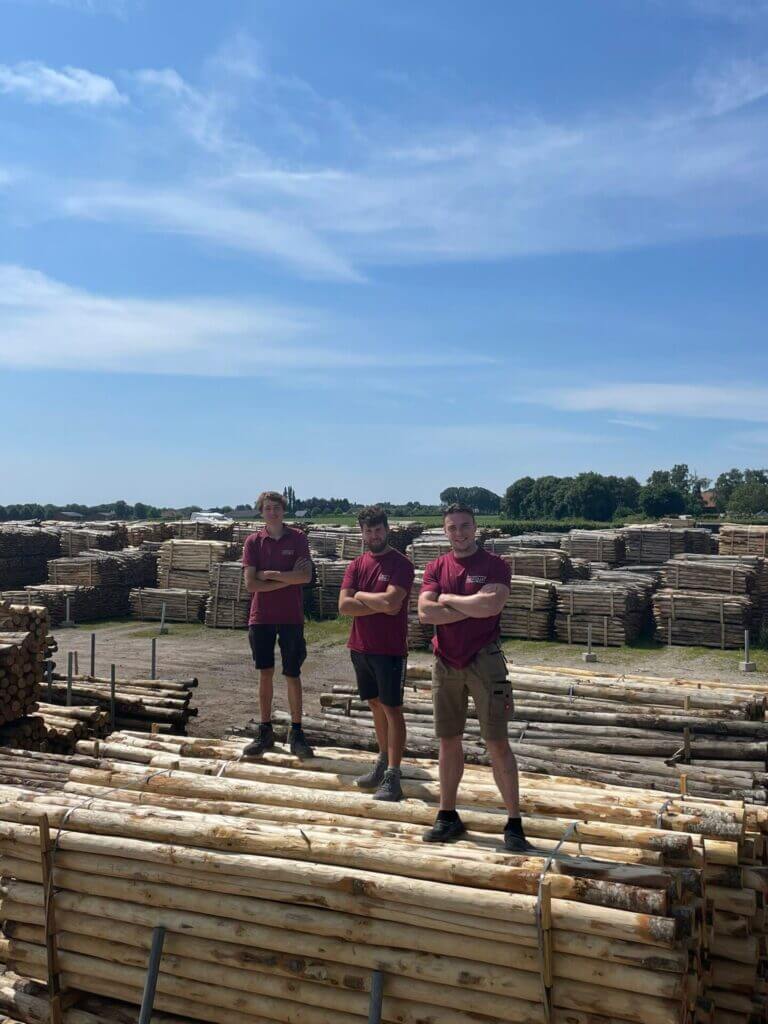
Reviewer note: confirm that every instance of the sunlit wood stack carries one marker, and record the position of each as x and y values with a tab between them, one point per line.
528	611
241	530
282	890
187	564
65	726
180	605
656	543
419	634
701	618
637	731
595	545
538	540
544	563
140	532
24	554
139	703
74	541
329	574
86	604
736	539
194	530
229	604
427	548
616	610
24	647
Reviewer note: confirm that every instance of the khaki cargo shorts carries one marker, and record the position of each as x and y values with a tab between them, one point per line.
486	679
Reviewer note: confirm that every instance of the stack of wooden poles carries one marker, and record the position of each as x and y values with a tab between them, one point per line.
595	545
194	530
229	604
737	539
150	531
142	704
187	564
282	888
544	563
419	634
645	732
329	574
655	543
180	605
529	609
24	554
616	609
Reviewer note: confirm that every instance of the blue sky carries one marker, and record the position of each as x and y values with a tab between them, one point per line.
377	249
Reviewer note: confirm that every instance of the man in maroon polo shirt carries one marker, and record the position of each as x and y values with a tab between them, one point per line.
375	592
462	595
276	566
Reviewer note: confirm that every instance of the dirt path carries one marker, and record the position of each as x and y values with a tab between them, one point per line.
226	696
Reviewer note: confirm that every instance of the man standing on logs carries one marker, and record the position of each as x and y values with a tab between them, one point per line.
462	595
375	592
276	566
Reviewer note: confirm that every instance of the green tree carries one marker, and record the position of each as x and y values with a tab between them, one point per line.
749	499
662	499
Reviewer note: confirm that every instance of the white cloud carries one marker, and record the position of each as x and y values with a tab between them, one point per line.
633	424
215	219
37	83
700	401
734	85
46	324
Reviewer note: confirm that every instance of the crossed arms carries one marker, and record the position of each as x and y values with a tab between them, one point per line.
359	603
260	581
442	609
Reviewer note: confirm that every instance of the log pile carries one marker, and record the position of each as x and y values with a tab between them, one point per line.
24	646
656	542
595	545
529	609
75	540
87	604
544	563
617	610
146	604
150	531
537	540
241	531
700	618
419	634
24	555
165	704
282	887
427	548
229	605
193	530
329	574
635	731
187	564
27	733
65	726
738	539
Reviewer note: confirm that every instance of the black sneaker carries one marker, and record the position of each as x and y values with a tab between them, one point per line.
515	843
263	742
445	831
299	745
374	778
390	788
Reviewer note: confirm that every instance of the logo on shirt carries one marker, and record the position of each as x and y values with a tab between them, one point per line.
287	551
384	578
476	579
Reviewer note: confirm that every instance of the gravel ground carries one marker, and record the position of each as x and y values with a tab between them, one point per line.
226	696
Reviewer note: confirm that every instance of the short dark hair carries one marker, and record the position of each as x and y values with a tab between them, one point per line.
372	515
456	508
270	496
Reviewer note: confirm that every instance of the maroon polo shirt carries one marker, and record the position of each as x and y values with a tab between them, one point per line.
276	607
458	642
380	633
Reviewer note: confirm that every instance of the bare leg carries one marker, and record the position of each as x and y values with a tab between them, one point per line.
379	724
396	735
294	697
265	693
505	774
451	771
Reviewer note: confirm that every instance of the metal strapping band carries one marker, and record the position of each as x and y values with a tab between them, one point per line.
546	994
228	764
660	815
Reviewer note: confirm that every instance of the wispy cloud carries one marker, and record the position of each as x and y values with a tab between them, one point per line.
213	219
634	424
38	83
733	85
700	401
46	324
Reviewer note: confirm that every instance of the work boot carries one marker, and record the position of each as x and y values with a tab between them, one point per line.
374	778
263	742
445	831
390	788
515	841
300	746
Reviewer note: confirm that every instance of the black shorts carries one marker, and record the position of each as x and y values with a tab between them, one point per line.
380	675
293	648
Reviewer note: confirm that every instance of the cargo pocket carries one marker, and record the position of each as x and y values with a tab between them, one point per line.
501	705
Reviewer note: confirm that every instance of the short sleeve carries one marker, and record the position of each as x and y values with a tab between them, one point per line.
403	575
350	577
251	552
302	545
498	572
431	581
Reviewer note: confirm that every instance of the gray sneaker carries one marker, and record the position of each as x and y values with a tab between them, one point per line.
390	788
374	778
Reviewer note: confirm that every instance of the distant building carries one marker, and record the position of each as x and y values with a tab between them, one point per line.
708	499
